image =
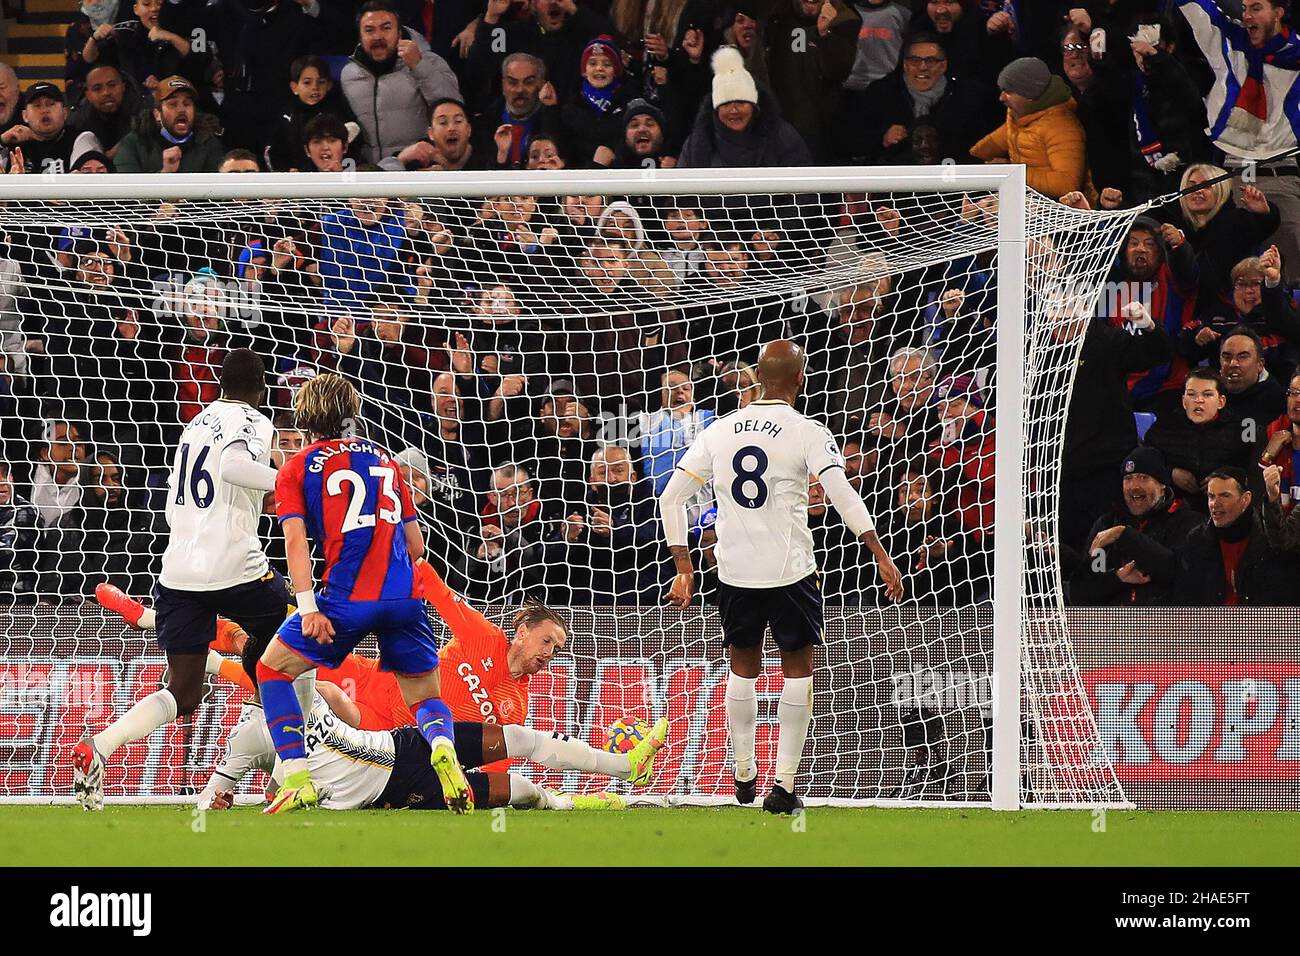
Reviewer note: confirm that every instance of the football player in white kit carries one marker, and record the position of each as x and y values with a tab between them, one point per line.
759	459
213	565
355	769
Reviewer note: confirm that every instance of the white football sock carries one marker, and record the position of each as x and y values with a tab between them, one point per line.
148	619
213	664
304	685
525	793
742	716
563	753
145	716
795	713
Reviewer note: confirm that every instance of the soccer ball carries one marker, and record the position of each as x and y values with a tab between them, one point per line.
625	733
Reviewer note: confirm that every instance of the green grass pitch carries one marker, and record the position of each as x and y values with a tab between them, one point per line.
172	836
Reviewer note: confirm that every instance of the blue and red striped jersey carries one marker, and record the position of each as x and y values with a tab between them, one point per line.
351	495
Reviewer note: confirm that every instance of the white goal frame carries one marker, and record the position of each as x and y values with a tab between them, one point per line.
1008	181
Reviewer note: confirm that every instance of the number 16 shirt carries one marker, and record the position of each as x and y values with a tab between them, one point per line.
214	543
759	458
351	495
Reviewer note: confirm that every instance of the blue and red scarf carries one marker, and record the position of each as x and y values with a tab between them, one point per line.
1148	140
601	101
1250	109
521	131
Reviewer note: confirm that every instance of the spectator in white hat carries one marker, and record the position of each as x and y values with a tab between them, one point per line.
741	125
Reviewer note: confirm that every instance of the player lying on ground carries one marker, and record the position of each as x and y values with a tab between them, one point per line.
347	495
475	682
356	768
213	564
759	459
368	699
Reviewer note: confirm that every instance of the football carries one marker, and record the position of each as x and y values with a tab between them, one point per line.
625	733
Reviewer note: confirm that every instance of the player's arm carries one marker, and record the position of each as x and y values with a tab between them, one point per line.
240	468
414	540
672	507
239	464
291	510
456	613
853	511
249	747
694	469
298	556
824	459
343	706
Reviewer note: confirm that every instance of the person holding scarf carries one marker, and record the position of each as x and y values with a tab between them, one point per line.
1253	107
1168	121
589	117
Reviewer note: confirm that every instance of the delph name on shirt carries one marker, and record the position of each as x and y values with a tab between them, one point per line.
764	427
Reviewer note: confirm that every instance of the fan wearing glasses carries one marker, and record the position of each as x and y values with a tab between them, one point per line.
922	91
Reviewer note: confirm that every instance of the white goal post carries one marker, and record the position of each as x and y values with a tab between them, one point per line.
1037	730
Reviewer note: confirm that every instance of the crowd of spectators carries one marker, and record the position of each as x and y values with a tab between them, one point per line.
541	365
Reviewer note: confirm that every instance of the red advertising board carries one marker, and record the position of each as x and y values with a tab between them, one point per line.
1181	720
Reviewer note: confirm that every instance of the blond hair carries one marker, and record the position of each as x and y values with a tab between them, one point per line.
326	405
631	20
534	612
1222	192
1250	266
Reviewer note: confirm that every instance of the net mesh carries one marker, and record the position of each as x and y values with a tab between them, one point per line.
540	364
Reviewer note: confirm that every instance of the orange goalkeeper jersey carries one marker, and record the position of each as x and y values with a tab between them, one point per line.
473	668
375	692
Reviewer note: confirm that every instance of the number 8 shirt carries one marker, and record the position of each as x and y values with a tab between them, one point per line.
351	495
759	458
214	543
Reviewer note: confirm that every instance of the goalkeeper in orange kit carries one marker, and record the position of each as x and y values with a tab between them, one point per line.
484	675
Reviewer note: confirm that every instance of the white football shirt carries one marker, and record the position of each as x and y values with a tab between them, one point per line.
349	767
759	459
213	542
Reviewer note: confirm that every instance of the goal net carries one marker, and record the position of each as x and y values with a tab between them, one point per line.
539	362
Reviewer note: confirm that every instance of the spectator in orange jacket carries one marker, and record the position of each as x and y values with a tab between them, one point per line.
1041	130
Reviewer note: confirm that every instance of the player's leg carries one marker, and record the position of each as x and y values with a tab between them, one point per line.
416	783
797	630
230	636
408	648
512	790
434	721
280	665
181	696
521	792
112	598
488	743
256	612
186	626
744	621
794	714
